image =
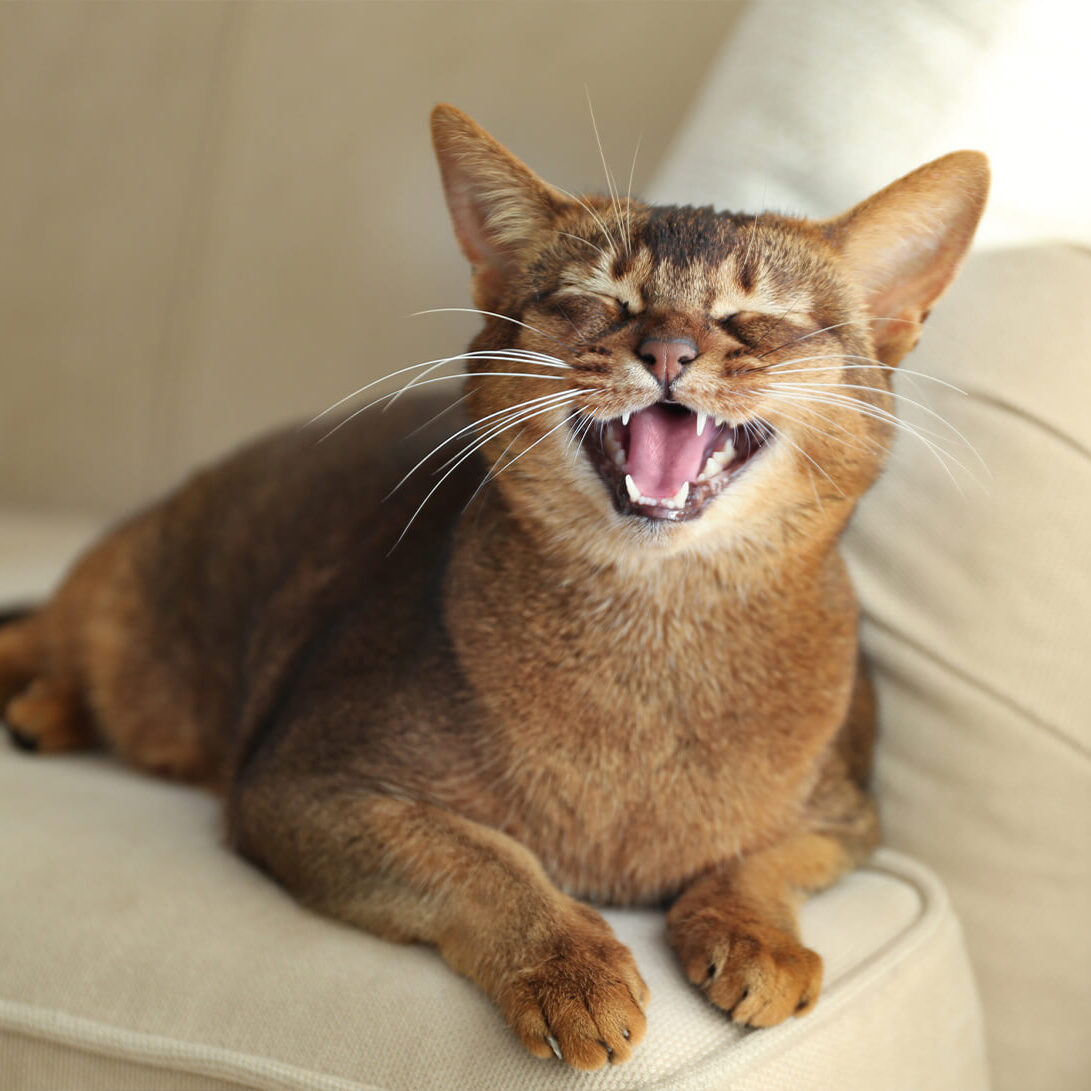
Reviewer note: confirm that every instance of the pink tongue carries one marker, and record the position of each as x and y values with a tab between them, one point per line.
664	450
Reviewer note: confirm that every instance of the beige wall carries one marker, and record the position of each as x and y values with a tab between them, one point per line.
215	217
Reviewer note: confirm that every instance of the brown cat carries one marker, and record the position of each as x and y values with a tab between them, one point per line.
627	672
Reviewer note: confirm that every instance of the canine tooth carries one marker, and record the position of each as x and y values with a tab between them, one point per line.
679	498
711	468
702	416
630	487
624	419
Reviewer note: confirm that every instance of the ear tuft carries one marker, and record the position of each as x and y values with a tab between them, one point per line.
904	245
497	203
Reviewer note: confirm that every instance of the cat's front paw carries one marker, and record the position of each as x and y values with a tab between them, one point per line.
583	1001
758	973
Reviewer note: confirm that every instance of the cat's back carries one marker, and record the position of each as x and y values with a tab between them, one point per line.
186	624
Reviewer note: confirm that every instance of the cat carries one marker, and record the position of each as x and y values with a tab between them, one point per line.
612	657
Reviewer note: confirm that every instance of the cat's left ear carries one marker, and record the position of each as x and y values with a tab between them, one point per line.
498	205
904	245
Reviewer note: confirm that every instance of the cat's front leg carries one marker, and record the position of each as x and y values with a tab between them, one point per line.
411	871
735	929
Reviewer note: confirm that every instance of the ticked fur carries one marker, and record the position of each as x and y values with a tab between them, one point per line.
448	717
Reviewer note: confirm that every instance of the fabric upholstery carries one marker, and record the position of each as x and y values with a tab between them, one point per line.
138	952
977	595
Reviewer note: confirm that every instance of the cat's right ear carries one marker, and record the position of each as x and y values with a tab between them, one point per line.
498	205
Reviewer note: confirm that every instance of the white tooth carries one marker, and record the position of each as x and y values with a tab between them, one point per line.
720	422
610	443
702	416
619	457
722	457
712	467
624	419
679	498
633	491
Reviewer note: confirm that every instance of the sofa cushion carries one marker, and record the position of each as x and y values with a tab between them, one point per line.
976	588
138	952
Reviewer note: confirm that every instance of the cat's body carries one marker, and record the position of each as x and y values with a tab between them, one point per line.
572	682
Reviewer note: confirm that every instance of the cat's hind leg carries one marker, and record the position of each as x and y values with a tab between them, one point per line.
41	712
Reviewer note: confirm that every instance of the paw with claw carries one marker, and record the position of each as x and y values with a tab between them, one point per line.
583	1001
758	973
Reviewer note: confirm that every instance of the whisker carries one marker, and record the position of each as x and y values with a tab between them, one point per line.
836	326
940	453
629	197
515	354
545	399
496	314
471	451
614	199
783	436
894	394
442	379
610	240
432	420
537	441
870	365
580	238
517	417
525	356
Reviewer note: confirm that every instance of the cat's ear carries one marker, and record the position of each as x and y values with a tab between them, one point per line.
904	245
498	205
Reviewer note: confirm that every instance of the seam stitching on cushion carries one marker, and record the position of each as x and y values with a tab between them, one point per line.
1054	730
1015	411
935	913
156	1051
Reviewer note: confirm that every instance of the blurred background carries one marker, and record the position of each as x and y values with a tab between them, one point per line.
217	217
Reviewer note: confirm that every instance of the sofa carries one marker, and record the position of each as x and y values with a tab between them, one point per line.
136	952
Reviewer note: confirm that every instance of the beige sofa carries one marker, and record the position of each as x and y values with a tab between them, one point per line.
153	320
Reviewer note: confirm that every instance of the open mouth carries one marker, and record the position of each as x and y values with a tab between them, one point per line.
668	462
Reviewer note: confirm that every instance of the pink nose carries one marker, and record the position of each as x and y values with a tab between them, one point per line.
666	359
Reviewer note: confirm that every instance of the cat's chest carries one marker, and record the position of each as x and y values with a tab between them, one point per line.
634	746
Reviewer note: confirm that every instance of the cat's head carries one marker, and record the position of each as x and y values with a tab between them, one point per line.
683	378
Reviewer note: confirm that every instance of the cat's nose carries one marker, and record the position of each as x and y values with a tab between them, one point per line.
666	359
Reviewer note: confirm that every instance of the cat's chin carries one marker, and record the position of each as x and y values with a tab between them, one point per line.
718	454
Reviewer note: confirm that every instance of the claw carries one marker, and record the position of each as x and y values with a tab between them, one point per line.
555	1046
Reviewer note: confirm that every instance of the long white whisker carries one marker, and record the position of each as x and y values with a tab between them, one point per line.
941	454
432	491
790	443
629	198
836	326
525	356
435	417
486	354
537	441
614	198
580	238
545	399
442	379
610	240
497	314
894	394
786	369
510	421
